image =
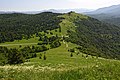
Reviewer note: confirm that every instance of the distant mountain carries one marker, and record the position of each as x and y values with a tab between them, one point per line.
68	10
7	12
112	10
59	11
1	12
49	10
108	14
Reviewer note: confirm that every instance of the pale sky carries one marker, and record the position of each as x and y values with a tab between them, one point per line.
36	5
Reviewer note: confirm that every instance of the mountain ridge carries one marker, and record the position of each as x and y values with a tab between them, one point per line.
108	14
93	36
105	10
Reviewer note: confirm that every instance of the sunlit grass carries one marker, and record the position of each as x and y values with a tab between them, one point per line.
60	66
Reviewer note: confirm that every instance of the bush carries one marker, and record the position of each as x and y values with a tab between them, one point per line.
3	59
44	57
40	57
15	57
71	55
72	50
55	44
40	43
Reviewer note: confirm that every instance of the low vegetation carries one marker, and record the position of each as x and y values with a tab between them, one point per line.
59	65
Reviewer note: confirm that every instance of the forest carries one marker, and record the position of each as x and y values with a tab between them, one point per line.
18	26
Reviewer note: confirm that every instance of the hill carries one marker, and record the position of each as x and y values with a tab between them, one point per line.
111	10
93	37
52	46
109	14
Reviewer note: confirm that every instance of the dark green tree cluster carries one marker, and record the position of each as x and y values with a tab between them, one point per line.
18	26
54	41
30	52
3	55
17	56
10	56
55	44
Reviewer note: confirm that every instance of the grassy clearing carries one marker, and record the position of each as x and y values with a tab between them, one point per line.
23	42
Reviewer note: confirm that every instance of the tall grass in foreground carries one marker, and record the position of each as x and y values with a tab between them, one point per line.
107	71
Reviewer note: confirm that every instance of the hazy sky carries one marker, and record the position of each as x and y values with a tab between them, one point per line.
30	5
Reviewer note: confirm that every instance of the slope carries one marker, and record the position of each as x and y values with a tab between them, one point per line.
113	10
17	26
93	36
60	66
109	14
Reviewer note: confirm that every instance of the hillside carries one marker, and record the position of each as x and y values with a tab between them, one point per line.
107	18
51	46
111	10
115	21
92	36
109	14
18	26
59	65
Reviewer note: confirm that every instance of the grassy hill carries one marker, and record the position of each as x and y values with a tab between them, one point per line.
94	37
77	47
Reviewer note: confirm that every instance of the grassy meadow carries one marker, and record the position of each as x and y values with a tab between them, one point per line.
59	65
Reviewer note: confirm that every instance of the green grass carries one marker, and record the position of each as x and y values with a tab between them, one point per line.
60	66
103	72
31	40
23	42
68	22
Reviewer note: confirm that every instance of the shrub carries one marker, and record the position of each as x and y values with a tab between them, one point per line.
71	55
44	57
15	57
